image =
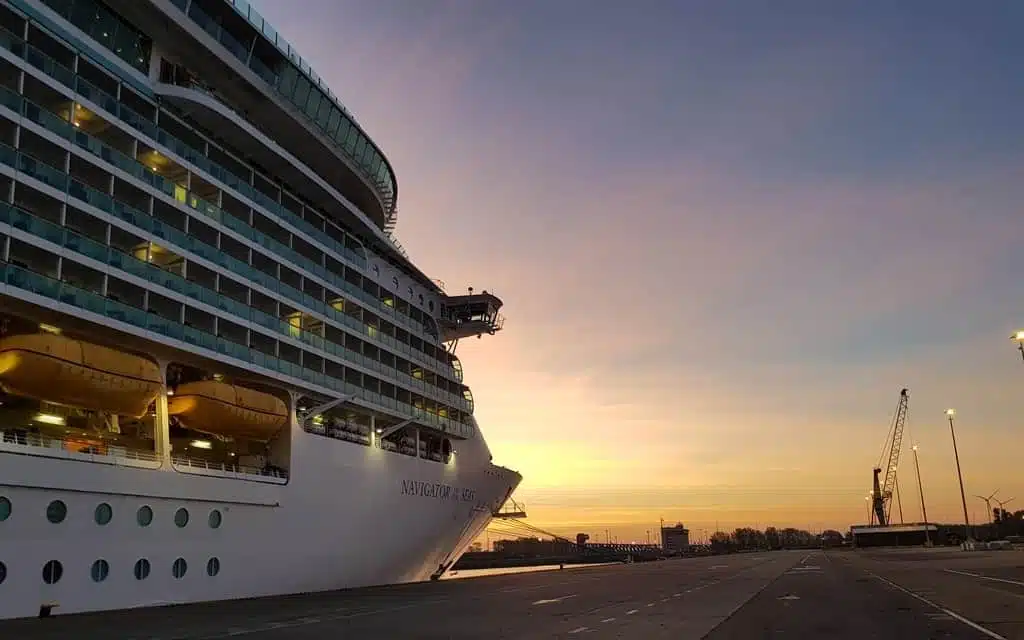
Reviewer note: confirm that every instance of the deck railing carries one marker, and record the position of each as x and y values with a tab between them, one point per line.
18	441
25	443
205	467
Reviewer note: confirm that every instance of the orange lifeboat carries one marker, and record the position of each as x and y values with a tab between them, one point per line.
229	410
61	370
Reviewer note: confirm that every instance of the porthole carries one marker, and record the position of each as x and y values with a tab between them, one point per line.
3	572
215	519
56	511
181	517
5	508
144	516
141	569
212	567
103	513
179	568
52	572
100	570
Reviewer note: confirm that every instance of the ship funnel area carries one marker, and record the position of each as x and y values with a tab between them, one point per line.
472	314
66	396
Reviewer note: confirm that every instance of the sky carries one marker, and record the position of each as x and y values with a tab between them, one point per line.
726	234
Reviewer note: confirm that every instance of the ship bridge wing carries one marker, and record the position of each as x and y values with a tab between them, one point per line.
473	314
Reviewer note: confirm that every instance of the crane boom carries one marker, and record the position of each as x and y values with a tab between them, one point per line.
882	495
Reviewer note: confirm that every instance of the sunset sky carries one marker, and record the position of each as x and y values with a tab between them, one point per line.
726	234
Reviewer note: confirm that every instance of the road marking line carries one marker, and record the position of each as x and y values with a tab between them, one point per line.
650	604
579	629
631	612
978	575
676	595
608	620
948	612
550	600
805	558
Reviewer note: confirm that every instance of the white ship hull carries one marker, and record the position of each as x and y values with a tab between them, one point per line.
349	516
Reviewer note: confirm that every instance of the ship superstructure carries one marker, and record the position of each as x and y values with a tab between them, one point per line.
221	375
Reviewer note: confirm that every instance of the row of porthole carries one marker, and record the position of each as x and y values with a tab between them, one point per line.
57	511
53	570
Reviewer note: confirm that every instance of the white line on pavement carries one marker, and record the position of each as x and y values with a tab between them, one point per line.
948	612
978	575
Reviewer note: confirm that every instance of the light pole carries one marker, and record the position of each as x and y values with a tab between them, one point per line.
920	489
963	498
1018	337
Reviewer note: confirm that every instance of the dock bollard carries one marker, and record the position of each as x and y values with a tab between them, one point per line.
46	609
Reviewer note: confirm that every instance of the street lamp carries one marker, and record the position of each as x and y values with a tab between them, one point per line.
1018	337
920	489
963	498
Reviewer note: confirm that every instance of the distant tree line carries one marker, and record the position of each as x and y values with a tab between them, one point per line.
1006	523
750	539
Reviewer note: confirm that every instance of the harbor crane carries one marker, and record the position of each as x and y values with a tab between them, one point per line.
881	494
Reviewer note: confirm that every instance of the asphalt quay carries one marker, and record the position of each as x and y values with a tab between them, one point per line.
900	594
670	598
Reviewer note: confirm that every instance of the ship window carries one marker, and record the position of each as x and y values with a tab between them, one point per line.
181	517
141	569
179	568
56	511
212	567
52	572
5	508
3	572
103	514
100	570
215	519
144	516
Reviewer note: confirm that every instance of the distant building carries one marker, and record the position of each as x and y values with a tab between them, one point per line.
675	539
913	534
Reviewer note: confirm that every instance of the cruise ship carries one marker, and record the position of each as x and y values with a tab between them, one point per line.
222	377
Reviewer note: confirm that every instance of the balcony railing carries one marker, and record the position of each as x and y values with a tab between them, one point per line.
17	441
242	472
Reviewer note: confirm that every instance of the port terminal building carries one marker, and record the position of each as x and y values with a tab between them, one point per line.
897	535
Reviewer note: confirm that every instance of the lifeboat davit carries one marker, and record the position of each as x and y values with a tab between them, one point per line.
229	410
61	370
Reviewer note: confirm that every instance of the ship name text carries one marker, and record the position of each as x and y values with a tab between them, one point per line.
438	491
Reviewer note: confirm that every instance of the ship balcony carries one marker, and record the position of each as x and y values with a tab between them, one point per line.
457	367
470	315
214	114
252	73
